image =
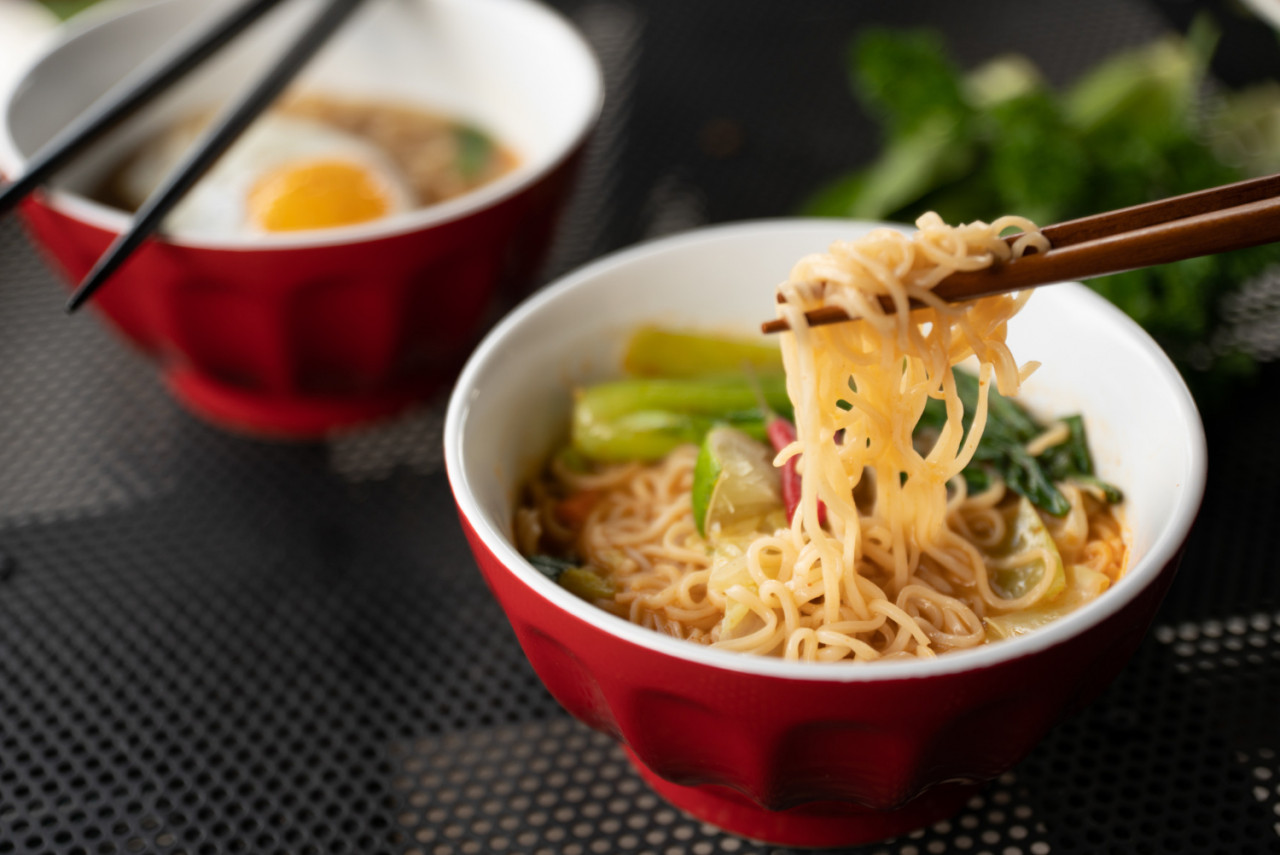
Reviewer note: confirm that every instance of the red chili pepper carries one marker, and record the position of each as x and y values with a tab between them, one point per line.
782	433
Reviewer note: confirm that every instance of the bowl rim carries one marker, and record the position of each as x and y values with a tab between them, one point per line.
84	209
1162	551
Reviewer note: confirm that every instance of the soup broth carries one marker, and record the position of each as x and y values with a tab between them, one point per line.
315	161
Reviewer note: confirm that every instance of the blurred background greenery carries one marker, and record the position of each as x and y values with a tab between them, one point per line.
996	139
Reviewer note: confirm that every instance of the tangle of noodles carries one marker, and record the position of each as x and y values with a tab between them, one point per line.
898	568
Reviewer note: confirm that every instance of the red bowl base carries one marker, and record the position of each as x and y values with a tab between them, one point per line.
816	824
280	415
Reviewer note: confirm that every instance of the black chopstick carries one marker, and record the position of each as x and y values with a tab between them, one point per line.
228	127
126	99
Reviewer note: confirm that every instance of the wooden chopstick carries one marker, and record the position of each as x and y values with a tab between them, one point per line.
1219	219
1162	211
225	131
128	97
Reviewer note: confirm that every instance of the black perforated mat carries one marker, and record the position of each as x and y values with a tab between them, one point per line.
213	645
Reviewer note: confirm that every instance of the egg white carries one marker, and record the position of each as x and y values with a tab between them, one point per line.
217	206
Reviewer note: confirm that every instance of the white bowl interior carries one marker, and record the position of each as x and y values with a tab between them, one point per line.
1143	426
511	66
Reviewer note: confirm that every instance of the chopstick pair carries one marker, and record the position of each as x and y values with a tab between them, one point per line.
1219	219
136	91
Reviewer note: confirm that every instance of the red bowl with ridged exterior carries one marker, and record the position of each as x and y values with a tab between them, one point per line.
297	334
811	754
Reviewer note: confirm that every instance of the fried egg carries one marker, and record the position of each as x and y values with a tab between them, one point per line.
284	174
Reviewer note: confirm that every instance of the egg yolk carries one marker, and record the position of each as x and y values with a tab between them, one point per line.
317	195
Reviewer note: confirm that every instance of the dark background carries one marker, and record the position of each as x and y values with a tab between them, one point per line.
210	644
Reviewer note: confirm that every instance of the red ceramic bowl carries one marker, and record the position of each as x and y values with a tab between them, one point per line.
812	754
300	333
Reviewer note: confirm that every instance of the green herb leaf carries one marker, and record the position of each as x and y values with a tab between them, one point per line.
475	149
1002	449
550	566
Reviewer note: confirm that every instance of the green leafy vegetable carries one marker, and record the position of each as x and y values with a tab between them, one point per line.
475	149
587	584
580	581
1002	449
659	352
685	383
1071	461
644	419
999	140
550	566
907	102
926	118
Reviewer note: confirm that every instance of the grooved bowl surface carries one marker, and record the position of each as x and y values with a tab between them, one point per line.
300	333
788	735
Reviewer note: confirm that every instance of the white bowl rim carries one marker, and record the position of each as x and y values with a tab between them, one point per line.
1144	571
489	195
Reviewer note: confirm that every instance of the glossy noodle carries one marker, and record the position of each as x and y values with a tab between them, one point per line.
891	550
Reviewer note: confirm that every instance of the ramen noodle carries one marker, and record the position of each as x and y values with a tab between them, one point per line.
928	513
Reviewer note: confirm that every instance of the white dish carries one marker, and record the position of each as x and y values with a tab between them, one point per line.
25	28
1143	424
